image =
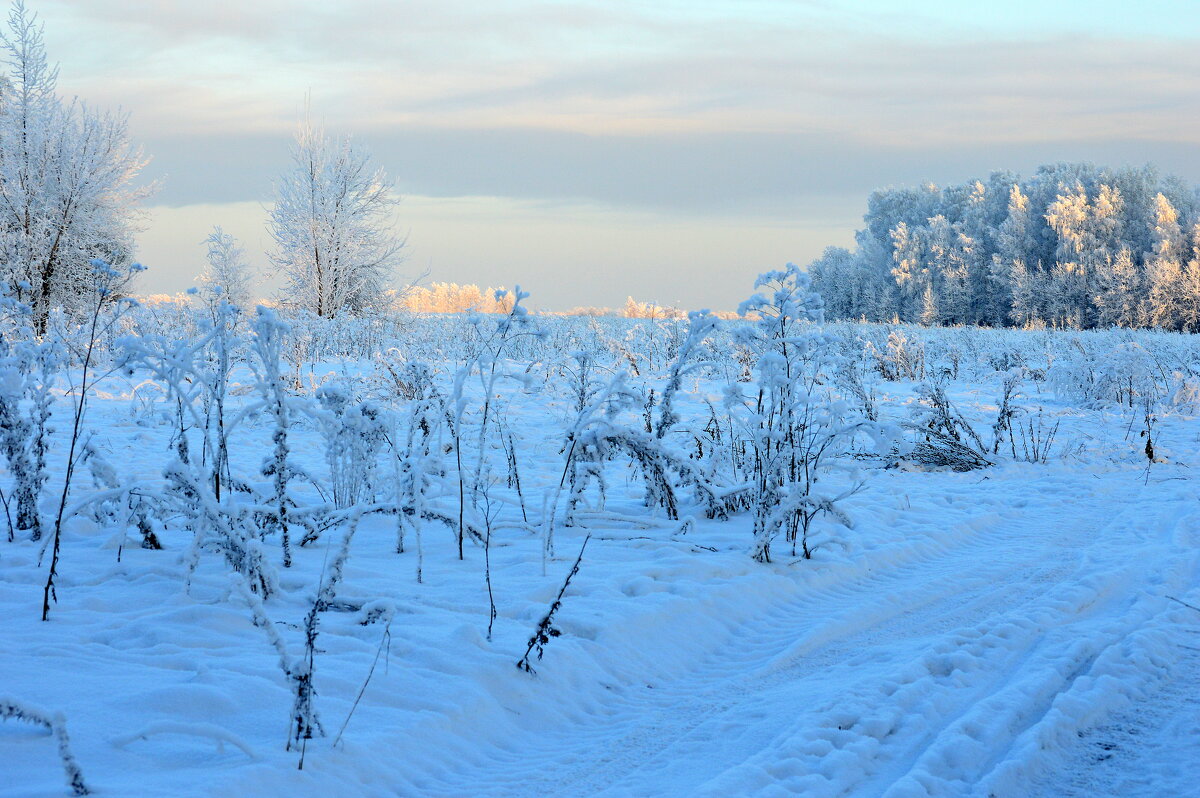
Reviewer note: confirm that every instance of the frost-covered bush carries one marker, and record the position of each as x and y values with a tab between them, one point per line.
945	437
793	422
1185	392
27	371
1092	374
1128	373
353	433
902	358
198	484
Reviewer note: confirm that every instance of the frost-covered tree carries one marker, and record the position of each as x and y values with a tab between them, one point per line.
1011	277
912	273
227	275
986	305
335	242
1164	300
1190	306
1119	286
1073	245
837	277
66	173
950	253
1069	216
455	298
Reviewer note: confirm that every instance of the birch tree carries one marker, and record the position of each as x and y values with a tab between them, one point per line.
335	242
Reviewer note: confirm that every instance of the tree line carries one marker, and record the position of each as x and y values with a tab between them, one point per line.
1075	245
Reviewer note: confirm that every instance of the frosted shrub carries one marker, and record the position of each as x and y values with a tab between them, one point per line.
944	436
353	433
117	503
415	442
27	369
398	378
856	378
1002	428
688	360
794	424
1129	373
584	448
1094	376
1073	376
267	345
198	485
1185	392
901	359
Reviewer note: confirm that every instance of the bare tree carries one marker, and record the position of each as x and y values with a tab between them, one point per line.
335	242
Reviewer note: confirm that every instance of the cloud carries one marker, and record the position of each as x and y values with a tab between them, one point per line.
764	174
598	68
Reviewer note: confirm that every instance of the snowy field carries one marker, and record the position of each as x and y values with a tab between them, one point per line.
994	605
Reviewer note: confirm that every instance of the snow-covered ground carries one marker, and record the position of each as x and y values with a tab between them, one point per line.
1007	631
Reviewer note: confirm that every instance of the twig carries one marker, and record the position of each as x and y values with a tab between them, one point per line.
1184	603
387	636
545	629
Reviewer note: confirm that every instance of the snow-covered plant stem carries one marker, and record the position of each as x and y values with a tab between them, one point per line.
1149	420
56	724
305	723
700	325
216	434
1002	428
545	628
304	714
1036	439
514	470
485	363
489	515
267	345
415	462
7	516
106	277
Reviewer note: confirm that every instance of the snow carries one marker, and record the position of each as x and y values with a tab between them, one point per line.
1007	631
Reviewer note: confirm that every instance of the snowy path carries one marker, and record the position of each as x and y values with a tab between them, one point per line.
961	661
1148	749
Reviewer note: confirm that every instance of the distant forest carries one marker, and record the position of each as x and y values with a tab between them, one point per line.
1075	245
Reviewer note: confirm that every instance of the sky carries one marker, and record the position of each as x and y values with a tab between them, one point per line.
589	151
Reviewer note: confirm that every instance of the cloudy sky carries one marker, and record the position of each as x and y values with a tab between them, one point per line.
590	150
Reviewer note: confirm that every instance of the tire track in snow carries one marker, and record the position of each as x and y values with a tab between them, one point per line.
1148	749
1144	659
869	741
724	713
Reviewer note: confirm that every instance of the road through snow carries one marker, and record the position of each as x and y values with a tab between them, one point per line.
967	667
